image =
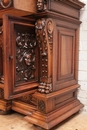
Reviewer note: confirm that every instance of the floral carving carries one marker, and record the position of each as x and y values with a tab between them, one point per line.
25	57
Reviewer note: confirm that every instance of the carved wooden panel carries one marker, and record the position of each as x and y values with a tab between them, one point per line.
25	57
65	64
20	55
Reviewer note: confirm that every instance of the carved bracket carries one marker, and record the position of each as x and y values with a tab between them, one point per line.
44	36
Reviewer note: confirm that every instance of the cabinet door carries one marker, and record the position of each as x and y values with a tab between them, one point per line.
20	56
65	58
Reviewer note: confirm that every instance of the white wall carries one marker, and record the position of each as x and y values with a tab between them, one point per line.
82	77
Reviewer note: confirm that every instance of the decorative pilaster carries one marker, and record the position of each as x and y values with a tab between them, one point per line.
44	36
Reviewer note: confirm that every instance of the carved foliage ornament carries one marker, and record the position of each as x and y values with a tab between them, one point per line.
5	3
25	57
44	36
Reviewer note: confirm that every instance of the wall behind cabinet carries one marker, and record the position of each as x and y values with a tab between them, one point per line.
82	77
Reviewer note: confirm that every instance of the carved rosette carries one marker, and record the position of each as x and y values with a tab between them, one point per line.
25	57
44	36
41	105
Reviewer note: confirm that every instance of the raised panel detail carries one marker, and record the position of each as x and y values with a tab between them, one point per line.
65	55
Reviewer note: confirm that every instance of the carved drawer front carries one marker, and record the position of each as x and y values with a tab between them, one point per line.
20	56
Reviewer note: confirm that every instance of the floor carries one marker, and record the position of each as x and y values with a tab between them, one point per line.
15	121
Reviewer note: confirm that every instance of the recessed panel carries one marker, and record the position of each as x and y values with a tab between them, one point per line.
66	55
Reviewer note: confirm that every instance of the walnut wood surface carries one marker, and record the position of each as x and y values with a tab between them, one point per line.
39	60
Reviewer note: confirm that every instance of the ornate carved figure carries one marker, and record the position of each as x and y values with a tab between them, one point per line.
5	3
25	57
41	5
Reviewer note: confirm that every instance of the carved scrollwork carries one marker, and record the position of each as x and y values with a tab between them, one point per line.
25	57
44	36
5	3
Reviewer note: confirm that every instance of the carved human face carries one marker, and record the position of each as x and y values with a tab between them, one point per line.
40	5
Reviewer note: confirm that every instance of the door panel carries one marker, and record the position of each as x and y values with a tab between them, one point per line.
20	56
65	64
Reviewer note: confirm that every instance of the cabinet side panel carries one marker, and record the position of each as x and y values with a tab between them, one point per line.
64	62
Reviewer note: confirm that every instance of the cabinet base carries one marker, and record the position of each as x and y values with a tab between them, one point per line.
55	117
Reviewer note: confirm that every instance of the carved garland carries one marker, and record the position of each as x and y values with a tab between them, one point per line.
44	36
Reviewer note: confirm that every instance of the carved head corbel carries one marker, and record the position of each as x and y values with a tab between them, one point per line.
5	3
41	5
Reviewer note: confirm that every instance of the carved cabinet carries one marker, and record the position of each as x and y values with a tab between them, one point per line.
39	63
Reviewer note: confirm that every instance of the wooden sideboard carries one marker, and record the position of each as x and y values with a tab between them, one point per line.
39	61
